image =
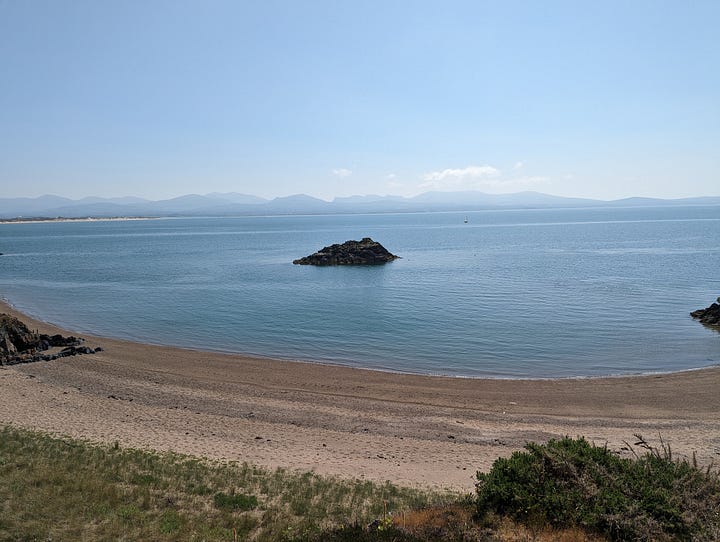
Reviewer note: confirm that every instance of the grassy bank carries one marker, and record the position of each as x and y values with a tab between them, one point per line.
64	489
566	490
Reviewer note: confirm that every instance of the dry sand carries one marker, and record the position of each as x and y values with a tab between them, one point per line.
412	430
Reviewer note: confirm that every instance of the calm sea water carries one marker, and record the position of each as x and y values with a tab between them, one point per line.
530	293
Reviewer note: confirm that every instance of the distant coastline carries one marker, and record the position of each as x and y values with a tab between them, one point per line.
32	220
235	204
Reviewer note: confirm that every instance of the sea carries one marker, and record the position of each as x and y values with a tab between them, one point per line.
545	293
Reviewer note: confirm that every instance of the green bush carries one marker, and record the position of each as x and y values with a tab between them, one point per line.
572	483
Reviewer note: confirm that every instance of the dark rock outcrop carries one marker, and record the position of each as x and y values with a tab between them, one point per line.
363	252
15	337
20	345
709	316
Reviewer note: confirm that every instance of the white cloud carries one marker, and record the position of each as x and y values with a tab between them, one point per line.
391	177
486	178
459	175
469	178
341	172
518	165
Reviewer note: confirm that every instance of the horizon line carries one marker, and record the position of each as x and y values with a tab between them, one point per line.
265	199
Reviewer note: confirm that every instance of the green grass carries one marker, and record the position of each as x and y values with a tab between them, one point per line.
235	502
65	489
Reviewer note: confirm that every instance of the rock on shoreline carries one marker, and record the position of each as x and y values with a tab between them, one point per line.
20	345
709	316
363	252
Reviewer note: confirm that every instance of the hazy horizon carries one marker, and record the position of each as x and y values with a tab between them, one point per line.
333	198
602	101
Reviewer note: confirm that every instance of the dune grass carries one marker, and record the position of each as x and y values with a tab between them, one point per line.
567	490
64	489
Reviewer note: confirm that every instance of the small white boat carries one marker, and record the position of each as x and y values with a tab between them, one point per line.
466	221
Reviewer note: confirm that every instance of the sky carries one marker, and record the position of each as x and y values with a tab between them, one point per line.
157	98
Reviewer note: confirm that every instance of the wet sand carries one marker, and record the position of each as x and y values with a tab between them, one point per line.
411	430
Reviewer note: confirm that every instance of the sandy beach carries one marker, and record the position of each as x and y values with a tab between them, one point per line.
411	430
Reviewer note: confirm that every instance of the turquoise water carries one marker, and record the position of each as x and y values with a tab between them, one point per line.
529	293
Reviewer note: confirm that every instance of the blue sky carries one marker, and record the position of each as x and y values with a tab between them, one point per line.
162	98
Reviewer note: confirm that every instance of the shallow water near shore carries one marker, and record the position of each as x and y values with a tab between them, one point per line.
527	293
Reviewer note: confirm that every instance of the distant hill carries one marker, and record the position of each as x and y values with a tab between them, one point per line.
235	204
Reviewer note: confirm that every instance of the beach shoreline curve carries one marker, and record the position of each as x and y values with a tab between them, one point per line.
421	430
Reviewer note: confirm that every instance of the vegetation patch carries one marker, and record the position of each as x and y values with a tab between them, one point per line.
235	502
570	482
64	489
567	490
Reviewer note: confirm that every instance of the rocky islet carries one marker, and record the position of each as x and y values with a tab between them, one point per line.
363	252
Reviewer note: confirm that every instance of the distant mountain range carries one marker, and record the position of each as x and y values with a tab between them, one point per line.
234	204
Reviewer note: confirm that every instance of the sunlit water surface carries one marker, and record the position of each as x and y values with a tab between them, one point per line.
529	293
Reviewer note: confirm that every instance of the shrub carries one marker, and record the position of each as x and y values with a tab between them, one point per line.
572	483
